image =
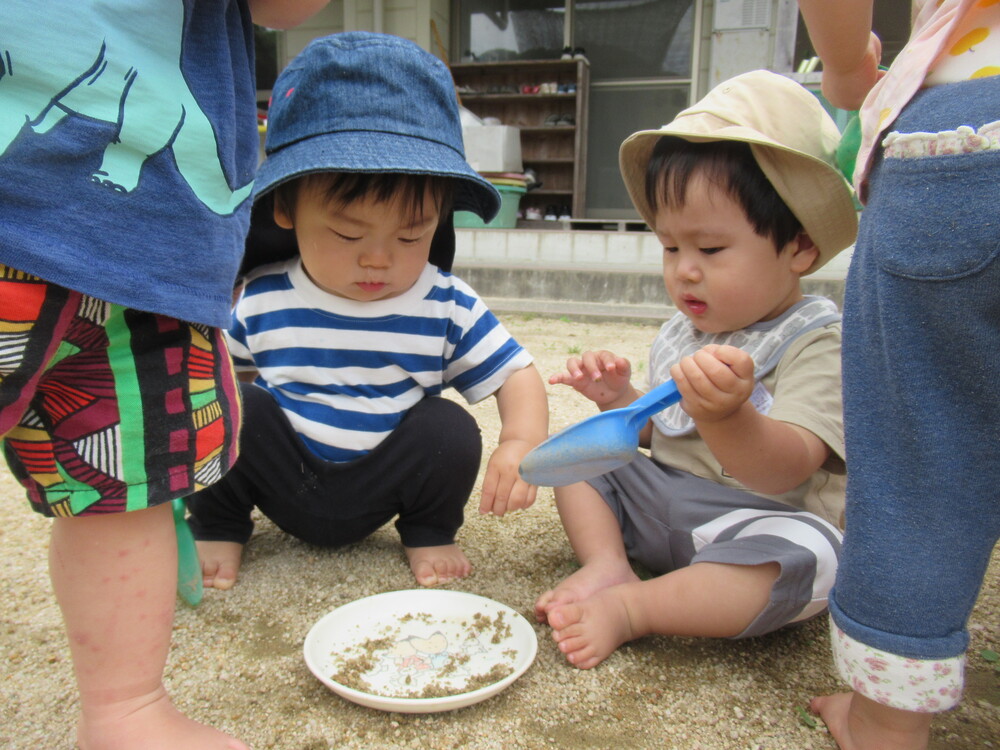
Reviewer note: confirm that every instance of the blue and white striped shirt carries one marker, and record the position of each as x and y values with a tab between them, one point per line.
346	372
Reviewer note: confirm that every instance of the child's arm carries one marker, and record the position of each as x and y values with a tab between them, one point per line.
764	454
842	34
524	420
284	14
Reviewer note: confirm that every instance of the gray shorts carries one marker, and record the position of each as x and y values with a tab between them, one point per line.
671	519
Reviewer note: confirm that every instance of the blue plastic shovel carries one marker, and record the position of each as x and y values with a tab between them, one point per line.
596	445
189	584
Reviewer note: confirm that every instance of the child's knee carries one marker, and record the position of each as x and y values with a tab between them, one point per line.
454	431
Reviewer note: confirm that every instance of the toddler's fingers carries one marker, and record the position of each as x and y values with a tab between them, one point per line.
506	482
731	356
489	491
574	366
593	365
596	363
622	366
501	504
522	496
690	377
716	372
612	364
531	494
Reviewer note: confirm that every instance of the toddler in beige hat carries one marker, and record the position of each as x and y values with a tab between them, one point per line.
736	512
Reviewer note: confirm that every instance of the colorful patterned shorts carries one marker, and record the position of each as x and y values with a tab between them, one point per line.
106	409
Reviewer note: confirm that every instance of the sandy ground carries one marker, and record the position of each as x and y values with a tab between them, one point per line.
237	663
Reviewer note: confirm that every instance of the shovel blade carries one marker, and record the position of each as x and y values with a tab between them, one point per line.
595	446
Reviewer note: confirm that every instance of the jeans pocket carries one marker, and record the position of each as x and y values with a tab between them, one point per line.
936	216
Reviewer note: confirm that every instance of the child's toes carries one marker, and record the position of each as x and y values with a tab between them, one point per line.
445	570
224	577
220	563
542	605
586	662
563	616
425	573
576	650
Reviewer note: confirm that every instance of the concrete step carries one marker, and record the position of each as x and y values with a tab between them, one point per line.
588	293
598	274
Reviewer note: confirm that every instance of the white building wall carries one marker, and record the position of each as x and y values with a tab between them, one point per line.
410	19
328	21
747	35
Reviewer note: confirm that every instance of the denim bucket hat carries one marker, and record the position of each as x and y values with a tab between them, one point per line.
365	102
793	140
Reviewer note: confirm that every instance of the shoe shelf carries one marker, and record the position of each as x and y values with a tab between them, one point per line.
551	160
552	118
547	129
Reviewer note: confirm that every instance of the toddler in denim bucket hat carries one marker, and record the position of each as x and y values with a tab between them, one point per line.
365	102
346	346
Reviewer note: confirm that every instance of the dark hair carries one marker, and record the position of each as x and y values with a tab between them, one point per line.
729	165
343	188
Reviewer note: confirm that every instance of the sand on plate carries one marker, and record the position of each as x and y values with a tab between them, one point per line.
236	660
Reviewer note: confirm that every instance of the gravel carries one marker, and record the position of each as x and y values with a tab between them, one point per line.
236	659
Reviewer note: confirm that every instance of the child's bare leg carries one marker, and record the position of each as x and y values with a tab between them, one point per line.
220	563
115	578
434	565
705	599
596	539
859	723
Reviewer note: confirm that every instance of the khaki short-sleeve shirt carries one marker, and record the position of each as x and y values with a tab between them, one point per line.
806	391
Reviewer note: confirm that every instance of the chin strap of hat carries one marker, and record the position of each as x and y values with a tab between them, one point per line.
443	244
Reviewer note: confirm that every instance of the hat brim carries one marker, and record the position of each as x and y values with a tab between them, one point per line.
831	223
379	152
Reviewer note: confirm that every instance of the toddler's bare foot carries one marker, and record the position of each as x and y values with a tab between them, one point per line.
859	723
220	562
588	580
152	723
588	631
434	565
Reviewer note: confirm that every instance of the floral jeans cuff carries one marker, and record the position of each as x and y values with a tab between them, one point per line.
922	685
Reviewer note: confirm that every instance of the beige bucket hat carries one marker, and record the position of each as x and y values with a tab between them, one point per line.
792	138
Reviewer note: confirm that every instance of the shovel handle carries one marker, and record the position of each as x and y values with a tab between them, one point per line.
658	399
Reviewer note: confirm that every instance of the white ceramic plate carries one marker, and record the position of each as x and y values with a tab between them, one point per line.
397	647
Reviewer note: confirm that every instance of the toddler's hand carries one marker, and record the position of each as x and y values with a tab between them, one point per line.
714	382
847	89
503	488
601	376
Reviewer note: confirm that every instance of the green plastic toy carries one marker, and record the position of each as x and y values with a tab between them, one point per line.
189	584
850	142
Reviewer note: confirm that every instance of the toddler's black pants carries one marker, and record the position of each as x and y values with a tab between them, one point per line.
423	473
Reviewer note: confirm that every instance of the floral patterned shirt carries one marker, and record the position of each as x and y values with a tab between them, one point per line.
952	40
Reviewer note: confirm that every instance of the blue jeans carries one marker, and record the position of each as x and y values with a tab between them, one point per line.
921	375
